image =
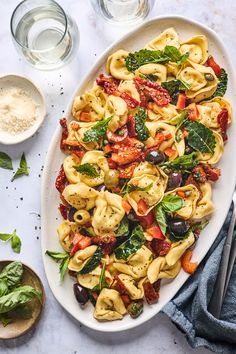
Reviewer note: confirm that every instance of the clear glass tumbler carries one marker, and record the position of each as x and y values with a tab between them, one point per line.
122	11
45	35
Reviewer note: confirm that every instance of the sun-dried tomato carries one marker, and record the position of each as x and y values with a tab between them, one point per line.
151	292
213	173
126	300
61	180
119	286
107	243
199	174
131	102
222	120
109	84
160	247
63	210
154	91
126	171
64	134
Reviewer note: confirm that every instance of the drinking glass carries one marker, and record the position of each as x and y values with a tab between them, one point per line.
43	33
120	11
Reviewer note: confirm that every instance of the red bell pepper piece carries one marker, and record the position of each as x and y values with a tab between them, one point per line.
193	112
215	67
155	232
80	242
85	117
146	220
170	151
126	206
142	207
181	102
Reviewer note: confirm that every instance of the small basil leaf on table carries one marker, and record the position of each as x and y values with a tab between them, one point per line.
22	169
5	161
93	262
132	245
200	137
18	296
15	243
97	132
12	273
87	169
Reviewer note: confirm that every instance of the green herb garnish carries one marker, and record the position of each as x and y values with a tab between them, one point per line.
22	169
184	163
123	229
102	280
87	169
97	132
129	187
174	87
63	260
14	239
200	137
132	245
5	161
93	262
140	127
222	85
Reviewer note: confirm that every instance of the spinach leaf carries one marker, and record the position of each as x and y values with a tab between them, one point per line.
129	187
3	287
22	169
102	280
132	245
18	296
87	169
169	204
15	241
5	161
200	137
183	163
140	127
222	85
174	87
97	132
63	260
12	273
144	56
93	262
123	229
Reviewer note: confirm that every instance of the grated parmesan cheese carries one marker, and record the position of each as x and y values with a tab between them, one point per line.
17	110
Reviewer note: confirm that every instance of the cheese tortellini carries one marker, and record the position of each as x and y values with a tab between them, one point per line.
167	37
197	48
80	196
81	257
109	306
191	196
98	161
116	65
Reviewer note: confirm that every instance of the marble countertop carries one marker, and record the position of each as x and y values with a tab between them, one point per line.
57	332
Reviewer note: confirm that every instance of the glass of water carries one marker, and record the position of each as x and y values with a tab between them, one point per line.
122	11
45	35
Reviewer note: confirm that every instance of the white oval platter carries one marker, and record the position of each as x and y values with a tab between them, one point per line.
222	190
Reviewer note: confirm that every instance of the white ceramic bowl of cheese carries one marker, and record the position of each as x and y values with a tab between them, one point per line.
10	81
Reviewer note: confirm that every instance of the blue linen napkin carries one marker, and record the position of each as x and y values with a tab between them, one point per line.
188	309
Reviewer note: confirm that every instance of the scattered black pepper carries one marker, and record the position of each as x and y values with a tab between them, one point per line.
39	176
21	198
35	228
6	187
37	238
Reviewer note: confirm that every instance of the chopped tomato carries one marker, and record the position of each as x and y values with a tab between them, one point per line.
111	163
146	220
222	120
131	126
80	242
199	174
193	112
215	67
181	194
188	266
126	206
213	173
85	117
119	136
155	232
126	154
142	207
127	171
107	148
181	102
170	152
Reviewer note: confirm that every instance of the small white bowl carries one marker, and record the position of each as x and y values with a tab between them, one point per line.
16	81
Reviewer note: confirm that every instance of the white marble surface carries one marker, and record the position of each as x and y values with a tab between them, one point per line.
57	332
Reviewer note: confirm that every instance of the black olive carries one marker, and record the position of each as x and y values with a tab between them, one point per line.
71	214
174	180
81	294
155	157
188	150
178	226
101	188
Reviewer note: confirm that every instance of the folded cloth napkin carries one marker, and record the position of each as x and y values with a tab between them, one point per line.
188	309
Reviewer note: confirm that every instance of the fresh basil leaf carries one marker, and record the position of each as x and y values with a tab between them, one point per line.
3	287
129	187
184	163
22	169
12	273
222	85
172	203
22	311
5	161
200	137
87	169
182	118
5	237
15	243
63	267
18	296
97	132
102	280
5	319
174	87
174	54
93	262
144	56
160	216
123	229
57	255
132	245
140	127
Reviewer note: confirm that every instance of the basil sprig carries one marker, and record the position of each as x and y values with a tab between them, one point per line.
63	260
14	239
87	169
132	245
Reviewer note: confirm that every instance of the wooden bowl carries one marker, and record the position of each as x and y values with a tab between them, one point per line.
18	327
